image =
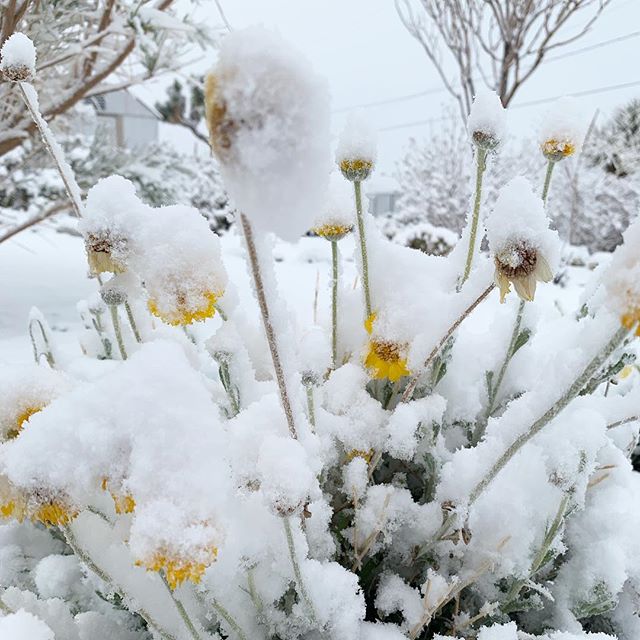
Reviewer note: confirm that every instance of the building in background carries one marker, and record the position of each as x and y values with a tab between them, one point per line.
126	120
383	193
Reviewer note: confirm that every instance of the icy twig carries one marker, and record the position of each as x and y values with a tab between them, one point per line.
266	320
334	303
286	521
408	392
116	327
181	610
481	165
551	413
363	248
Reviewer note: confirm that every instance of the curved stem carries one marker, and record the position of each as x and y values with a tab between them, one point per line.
408	392
363	248
334	303
116	327
481	165
551	413
132	321
266	320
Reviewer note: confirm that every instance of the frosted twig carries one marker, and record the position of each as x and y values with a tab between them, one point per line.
619	423
296	568
408	392
481	165
266	320
357	185
551	413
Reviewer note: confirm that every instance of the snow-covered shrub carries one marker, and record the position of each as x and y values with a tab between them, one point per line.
446	466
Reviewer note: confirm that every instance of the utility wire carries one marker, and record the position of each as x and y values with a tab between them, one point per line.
529	103
432	90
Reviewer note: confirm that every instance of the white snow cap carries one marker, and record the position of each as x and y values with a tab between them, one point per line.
358	140
268	115
564	123
340	210
488	116
18	57
24	626
519	215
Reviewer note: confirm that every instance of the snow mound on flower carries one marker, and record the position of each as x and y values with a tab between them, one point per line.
564	122
24	626
18	52
487	115
340	210
358	140
269	126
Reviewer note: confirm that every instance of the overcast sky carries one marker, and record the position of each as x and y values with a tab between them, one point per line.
367	56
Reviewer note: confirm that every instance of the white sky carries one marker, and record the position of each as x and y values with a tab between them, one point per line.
366	54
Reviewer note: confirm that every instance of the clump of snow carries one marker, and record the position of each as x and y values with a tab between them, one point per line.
564	123
18	58
358	140
487	122
56	576
24	626
507	631
268	116
339	211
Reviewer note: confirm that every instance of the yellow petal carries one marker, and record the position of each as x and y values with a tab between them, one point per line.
503	284
543	271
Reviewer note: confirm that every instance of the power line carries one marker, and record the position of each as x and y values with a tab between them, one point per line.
432	90
530	103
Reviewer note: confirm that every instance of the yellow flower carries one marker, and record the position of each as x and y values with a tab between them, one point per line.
522	265
368	323
356	169
631	319
181	314
178	569
333	232
21	419
123	503
356	453
53	514
555	150
384	361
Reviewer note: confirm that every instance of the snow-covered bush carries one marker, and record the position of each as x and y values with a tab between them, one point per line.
444	466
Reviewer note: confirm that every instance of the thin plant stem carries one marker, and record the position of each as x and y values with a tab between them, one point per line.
230	620
253	592
286	521
481	165
36	354
132	321
84	557
223	315
180	609
334	303
599	359
266	320
619	423
547	180
408	392
116	327
363	248
311	407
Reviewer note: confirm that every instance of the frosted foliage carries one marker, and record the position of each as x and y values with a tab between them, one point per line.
273	140
24	626
564	122
487	115
358	140
18	53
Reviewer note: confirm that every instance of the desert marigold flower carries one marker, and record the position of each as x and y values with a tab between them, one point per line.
52	513
562	130
18	58
357	453
182	310
523	265
368	323
122	502
631	319
333	231
384	360
356	169
37	506
178	569
555	150
106	252
21	419
356	152
487	120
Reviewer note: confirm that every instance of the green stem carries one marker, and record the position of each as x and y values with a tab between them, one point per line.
223	613
132	322
547	180
181	610
116	327
296	567
363	248
481	156
550	414
253	592
334	303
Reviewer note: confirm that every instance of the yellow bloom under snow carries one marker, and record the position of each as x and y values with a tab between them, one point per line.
357	453
556	149
179	569
631	319
333	231
368	323
122	502
384	360
182	313
356	169
23	417
49	512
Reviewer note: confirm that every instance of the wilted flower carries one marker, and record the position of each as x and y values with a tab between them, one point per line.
385	360
487	120
356	152
18	58
106	252
523	265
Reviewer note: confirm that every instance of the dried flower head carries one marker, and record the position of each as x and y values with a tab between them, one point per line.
106	252
487	120
385	360
18	58
523	265
113	293
356	152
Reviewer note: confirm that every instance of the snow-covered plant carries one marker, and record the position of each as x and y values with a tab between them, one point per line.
446	466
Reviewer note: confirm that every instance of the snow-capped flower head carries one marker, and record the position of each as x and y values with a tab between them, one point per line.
338	216
487	122
23	393
123	501
386	359
164	539
622	279
181	266
563	129
268	118
113	293
114	216
18	58
524	249
356	152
